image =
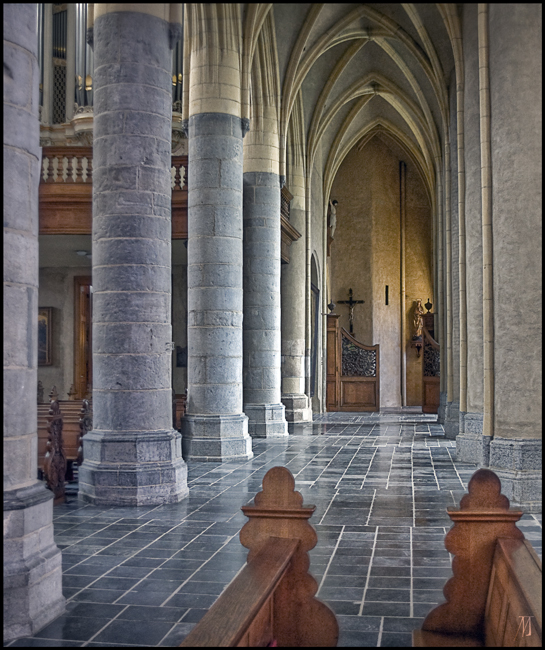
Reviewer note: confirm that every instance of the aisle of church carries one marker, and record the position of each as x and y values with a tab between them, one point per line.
381	483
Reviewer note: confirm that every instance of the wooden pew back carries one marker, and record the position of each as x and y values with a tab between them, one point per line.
496	575
272	598
513	608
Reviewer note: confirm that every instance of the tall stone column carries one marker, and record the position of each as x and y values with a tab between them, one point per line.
293	306
515	39
32	562
471	444
261	218
262	338
214	427
133	455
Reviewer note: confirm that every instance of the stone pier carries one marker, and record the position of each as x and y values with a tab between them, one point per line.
215	426
471	445
262	341
515	39
32	562
294	397
133	455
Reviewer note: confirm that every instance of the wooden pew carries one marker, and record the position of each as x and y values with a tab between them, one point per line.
179	409
71	431
55	459
71	414
271	601
494	596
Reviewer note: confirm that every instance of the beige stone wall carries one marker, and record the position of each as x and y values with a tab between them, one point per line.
366	257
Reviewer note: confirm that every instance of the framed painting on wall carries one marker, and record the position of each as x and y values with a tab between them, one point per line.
44	336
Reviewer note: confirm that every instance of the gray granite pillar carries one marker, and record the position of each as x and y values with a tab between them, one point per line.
262	344
132	456
515	60
32	562
471	445
293	281
215	427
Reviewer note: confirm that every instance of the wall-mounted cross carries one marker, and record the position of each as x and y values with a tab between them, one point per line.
351	303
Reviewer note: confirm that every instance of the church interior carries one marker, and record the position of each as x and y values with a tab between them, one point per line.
239	237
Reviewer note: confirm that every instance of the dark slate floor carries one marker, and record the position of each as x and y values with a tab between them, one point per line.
381	483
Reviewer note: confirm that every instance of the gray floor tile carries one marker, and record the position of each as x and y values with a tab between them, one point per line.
380	519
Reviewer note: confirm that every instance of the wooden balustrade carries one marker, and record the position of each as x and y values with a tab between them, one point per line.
66	196
66	192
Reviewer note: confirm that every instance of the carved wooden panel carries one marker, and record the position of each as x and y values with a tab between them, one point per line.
55	458
358	394
333	363
353	381
359	374
431	366
357	361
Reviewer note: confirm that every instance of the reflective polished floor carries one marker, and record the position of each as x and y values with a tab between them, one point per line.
381	483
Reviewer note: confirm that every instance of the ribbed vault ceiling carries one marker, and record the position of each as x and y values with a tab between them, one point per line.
368	68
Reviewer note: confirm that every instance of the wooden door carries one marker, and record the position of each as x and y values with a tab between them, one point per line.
83	357
353	379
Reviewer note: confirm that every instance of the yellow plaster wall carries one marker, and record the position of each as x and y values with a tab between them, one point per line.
365	256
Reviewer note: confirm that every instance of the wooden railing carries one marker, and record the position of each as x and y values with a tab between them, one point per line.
66	196
66	192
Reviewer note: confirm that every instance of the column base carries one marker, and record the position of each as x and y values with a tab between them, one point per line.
132	468
442	408
517	462
473	448
266	420
297	408
216	438
452	420
471	445
32	563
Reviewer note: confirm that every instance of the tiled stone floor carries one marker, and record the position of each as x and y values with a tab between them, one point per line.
381	483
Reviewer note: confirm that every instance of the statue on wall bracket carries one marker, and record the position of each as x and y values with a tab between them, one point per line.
331	224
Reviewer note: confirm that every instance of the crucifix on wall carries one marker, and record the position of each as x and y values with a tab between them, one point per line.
351	304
